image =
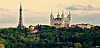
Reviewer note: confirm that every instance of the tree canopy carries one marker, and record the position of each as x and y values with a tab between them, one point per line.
49	37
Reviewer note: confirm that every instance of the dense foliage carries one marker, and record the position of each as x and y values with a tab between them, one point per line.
48	37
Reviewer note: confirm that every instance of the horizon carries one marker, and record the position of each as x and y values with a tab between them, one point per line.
38	12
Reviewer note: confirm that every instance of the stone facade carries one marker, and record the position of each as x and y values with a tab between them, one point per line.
60	22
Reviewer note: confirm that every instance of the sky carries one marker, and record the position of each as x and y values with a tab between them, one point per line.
38	11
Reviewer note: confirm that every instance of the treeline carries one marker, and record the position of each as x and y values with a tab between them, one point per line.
50	37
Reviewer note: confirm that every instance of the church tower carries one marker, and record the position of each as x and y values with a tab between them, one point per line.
62	16
51	16
58	16
20	25
51	19
69	17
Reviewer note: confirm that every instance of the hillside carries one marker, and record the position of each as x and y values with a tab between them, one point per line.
48	37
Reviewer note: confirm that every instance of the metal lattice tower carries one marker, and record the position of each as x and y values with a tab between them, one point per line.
20	25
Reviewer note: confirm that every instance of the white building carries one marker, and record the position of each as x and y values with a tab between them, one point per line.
84	25
60	22
32	29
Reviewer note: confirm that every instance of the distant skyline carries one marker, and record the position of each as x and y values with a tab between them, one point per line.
38	11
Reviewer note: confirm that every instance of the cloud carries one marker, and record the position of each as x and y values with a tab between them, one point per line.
27	10
8	17
59	5
92	18
7	25
3	9
82	7
36	17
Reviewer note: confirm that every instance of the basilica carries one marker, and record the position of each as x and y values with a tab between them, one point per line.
60	21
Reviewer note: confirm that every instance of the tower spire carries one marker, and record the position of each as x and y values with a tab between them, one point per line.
51	12
58	12
62	12
62	16
20	25
51	16
69	12
58	16
69	15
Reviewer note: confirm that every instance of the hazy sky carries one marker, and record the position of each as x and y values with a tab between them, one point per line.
38	11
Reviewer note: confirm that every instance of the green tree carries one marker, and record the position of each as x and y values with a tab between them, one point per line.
77	45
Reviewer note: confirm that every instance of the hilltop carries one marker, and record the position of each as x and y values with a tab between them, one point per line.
49	37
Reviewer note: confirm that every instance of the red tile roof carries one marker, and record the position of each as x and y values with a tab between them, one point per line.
33	26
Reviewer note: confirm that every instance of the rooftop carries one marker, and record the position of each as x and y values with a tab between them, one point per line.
57	19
